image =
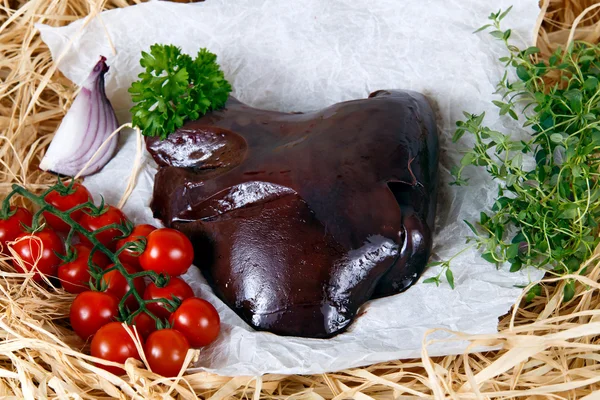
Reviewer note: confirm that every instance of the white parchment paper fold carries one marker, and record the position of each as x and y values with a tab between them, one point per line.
304	55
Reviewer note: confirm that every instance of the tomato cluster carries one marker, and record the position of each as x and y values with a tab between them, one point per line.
134	279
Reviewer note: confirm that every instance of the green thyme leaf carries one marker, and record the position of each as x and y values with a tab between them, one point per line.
569	291
433	279
548	200
450	277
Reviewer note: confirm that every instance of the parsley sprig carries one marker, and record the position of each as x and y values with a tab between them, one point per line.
548	206
175	88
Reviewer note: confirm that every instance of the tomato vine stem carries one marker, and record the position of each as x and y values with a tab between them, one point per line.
96	272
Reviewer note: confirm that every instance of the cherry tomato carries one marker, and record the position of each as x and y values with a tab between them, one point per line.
113	343
76	196
117	285
128	256
167	252
111	215
165	351
198	320
92	310
145	324
11	227
176	287
75	275
37	251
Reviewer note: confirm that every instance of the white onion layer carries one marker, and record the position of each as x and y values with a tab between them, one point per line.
88	123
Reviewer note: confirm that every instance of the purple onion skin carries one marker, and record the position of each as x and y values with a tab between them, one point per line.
87	125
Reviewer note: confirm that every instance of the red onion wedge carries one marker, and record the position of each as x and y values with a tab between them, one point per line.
80	139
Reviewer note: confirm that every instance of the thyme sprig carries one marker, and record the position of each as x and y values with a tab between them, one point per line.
548	203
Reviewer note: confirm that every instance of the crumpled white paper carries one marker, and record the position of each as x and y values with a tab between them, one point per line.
304	55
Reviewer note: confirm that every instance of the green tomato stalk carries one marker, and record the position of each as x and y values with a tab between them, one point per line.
95	271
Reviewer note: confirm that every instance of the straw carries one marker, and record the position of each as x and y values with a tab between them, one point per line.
549	349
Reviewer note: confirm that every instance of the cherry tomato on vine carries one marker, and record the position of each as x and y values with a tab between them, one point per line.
77	195
92	310
11	227
75	275
118	286
165	351
145	324
167	252
110	215
38	251
198	320
175	288
128	256
113	343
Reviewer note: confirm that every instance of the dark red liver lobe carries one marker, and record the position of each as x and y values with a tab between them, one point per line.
299	219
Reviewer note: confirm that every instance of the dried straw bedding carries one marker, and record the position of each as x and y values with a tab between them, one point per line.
549	349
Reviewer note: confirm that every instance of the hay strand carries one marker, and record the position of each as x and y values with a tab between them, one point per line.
547	348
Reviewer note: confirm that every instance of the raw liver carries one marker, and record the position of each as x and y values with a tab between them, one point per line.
299	219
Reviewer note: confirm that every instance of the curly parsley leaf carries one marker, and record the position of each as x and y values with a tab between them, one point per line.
175	88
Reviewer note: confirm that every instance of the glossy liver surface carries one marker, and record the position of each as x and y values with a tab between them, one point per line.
299	219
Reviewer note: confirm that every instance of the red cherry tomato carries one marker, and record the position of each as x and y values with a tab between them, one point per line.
113	343
198	320
92	310
38	251
76	196
145	324
165	351
128	256
75	274
175	288
11	227
167	252
111	215
117	285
